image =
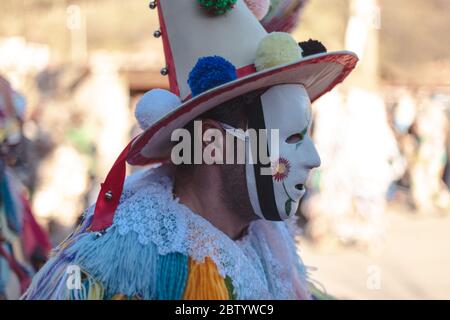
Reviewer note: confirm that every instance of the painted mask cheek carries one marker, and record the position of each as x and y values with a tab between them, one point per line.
275	196
286	203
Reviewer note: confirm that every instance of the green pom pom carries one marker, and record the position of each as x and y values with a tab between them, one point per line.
217	7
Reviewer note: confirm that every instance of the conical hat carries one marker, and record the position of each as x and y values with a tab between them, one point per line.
189	33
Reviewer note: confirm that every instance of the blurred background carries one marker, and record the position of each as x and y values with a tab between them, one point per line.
376	219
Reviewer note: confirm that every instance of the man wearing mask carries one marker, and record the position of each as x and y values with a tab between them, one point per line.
200	225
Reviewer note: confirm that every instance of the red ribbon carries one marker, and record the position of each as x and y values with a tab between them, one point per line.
173	83
113	185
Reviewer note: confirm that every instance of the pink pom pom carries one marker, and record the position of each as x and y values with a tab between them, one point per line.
259	7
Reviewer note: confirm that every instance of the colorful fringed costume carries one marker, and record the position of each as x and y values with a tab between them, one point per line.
158	249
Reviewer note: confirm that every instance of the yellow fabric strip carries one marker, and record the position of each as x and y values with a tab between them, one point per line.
91	289
96	291
204	282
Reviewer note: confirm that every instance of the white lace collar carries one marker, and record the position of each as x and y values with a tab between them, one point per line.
263	265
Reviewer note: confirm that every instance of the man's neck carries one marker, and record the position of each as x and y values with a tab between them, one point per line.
202	196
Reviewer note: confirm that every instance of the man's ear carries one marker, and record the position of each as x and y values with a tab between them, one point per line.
213	139
210	129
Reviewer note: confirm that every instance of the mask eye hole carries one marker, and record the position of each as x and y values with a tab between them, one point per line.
295	138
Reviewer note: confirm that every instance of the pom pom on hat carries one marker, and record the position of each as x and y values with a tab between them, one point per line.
210	72
154	105
277	48
259	8
217	7
311	47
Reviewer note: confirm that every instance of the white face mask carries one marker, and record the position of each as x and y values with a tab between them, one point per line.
276	196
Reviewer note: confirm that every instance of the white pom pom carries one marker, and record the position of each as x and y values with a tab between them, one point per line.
259	7
154	105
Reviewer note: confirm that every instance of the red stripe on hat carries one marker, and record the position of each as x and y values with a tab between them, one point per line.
173	83
245	71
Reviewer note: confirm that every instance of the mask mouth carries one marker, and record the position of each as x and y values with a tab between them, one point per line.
300	187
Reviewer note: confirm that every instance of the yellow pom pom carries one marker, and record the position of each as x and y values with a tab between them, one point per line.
276	49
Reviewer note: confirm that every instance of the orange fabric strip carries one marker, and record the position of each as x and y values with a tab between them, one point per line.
204	282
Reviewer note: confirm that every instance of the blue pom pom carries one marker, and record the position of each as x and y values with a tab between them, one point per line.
210	72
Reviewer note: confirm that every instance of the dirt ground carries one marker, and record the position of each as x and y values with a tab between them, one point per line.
413	263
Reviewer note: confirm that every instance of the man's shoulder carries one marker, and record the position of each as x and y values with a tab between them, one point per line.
129	244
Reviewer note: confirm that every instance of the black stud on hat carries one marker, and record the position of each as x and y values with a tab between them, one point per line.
311	47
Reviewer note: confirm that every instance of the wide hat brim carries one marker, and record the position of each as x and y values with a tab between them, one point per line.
318	73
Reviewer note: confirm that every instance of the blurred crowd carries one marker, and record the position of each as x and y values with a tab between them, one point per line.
24	244
58	139
389	149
